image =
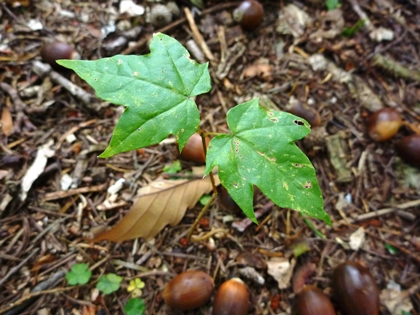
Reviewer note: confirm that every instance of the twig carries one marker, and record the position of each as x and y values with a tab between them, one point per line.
43	69
197	35
168	27
19	108
362	15
18	306
63	194
395	68
243	224
16	268
384	211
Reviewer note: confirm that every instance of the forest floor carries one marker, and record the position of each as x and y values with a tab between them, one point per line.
342	65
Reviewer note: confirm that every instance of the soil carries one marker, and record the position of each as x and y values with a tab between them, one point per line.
308	57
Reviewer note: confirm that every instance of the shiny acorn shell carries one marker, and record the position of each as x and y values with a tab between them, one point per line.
408	148
312	301
51	52
188	290
384	124
249	14
193	149
355	289
231	298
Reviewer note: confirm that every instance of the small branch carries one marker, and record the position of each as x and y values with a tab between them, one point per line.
362	15
16	268
18	306
395	68
202	213
20	106
197	35
43	69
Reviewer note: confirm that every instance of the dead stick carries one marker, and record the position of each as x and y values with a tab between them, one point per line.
43	69
197	35
63	194
16	268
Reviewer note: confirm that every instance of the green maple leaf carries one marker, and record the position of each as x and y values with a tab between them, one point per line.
79	274
109	283
157	88
261	152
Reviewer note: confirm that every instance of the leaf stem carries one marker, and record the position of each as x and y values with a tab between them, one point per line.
203	141
203	212
312	227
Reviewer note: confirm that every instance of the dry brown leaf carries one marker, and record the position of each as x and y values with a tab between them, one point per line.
6	121
263	70
161	203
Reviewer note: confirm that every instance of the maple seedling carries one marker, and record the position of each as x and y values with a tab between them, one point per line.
158	91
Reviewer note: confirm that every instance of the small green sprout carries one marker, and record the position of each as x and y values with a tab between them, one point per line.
134	307
332	4
109	283
79	274
175	167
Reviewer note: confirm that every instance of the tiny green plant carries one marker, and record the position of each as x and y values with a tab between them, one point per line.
109	283
332	4
135	287
175	167
350	31
135	306
158	91
79	274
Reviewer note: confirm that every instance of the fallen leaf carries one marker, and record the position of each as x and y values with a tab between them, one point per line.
396	301
161	203
42	155
281	269
6	121
357	238
259	69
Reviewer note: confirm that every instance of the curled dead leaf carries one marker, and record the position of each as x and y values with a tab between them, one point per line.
161	203
263	70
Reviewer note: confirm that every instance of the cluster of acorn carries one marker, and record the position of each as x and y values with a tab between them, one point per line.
354	290
385	123
192	289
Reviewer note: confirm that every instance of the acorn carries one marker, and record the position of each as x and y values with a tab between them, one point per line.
226	202
189	290
231	298
51	52
309	114
193	149
384	124
312	301
408	148
249	14
355	290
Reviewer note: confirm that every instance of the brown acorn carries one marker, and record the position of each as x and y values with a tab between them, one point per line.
226	201
312	301
189	290
384	124
51	52
249	14
409	149
355	290
231	298
193	149
309	114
